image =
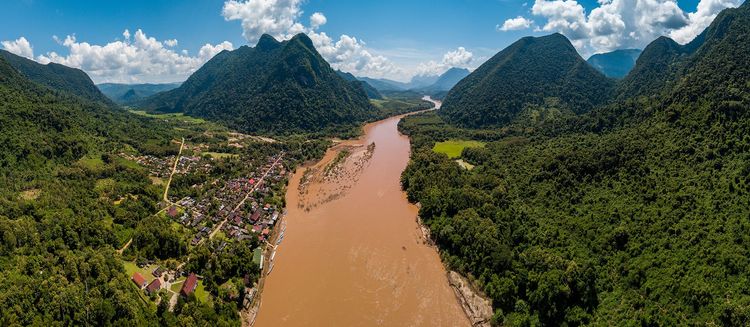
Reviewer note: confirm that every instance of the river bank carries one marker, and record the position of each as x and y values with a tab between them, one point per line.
353	254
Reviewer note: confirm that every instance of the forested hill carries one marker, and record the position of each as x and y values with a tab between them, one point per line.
615	64
275	87
645	221
372	92
57	77
56	233
43	127
127	94
653	69
713	58
530	72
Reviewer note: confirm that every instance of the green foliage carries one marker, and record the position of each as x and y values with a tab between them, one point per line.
634	212
453	148
59	178
128	94
275	87
155	238
57	77
372	93
528	72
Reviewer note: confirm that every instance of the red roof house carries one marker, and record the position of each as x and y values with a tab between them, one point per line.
154	286
139	280
188	287
256	215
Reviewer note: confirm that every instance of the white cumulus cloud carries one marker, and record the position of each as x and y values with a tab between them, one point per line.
700	19
278	18
282	20
616	24
459	57
515	24
456	58
20	47
317	20
140	59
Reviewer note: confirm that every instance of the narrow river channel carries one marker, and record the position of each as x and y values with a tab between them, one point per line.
353	253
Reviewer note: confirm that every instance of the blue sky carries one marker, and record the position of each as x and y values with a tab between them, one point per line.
387	38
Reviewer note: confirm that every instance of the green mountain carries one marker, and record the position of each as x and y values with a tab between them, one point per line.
382	84
55	148
387	85
128	94
634	212
275	87
716	76
372	92
653	69
43	127
530	72
57	77
615	64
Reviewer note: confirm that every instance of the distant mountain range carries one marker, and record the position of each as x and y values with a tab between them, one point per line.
127	94
530	72
275	87
615	64
56	77
427	84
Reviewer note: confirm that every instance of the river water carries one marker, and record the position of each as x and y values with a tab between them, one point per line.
353	253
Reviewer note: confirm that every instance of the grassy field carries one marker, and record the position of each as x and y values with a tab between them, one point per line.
200	292
91	162
177	285
176	116
453	148
218	155
131	268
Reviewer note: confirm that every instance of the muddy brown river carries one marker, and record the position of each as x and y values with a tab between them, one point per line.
353	253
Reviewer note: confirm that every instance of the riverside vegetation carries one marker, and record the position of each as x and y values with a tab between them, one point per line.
72	193
637	210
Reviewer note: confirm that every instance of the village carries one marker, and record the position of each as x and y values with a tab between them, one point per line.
241	208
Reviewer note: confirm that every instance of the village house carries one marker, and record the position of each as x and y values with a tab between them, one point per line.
139	280
256	215
155	286
172	211
188	287
158	271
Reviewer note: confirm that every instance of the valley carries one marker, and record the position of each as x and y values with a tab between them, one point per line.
548	172
349	221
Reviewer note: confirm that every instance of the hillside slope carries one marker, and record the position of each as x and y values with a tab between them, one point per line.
529	72
57	77
275	87
372	92
643	222
126	94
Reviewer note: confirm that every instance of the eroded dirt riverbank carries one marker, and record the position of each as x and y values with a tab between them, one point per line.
353	253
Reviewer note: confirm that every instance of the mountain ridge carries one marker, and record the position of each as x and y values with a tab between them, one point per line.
528	72
56	76
275	87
